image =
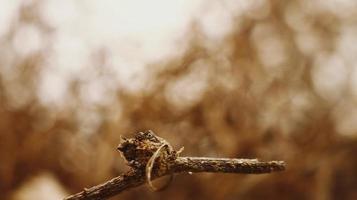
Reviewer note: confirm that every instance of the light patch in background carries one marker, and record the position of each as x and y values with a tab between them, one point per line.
68	56
17	94
270	46
100	92
60	14
8	14
329	76
189	89
296	17
28	39
353	82
135	33
346	46
215	21
345	115
287	112
346	43
256	9
345	9
42	187
53	88
88	120
131	75
309	43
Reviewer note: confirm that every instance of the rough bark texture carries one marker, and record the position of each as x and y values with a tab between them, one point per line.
137	152
226	165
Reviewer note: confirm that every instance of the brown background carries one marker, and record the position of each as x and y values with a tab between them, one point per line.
279	85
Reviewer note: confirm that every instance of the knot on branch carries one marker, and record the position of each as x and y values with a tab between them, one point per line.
139	150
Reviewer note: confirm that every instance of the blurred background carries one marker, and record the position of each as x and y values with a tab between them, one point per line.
267	79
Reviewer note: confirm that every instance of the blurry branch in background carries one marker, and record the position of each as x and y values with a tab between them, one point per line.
150	157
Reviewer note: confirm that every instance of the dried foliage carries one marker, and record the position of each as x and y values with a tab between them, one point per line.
280	85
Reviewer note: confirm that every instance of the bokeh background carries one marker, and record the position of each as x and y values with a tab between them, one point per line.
267	79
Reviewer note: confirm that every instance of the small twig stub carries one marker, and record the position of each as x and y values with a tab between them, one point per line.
150	157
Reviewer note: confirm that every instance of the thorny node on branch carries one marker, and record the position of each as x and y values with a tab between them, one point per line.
150	151
151	156
139	150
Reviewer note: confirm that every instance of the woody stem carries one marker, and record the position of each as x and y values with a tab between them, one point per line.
135	178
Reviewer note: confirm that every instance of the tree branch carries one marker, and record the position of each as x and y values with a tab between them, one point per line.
139	150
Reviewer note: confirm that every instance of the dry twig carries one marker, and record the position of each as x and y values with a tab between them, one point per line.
150	157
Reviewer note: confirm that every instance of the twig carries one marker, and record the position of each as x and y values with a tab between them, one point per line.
139	150
226	165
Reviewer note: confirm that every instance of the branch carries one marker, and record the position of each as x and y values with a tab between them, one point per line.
140	150
226	165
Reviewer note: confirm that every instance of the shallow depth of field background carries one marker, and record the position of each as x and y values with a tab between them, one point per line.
268	79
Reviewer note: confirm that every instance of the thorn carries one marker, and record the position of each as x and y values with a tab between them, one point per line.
180	150
122	138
